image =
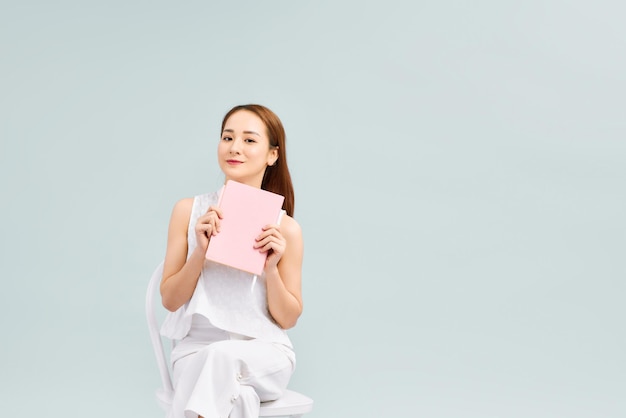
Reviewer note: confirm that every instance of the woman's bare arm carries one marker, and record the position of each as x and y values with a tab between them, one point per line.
283	271
179	274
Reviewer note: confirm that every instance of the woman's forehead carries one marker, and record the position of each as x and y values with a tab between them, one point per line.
244	120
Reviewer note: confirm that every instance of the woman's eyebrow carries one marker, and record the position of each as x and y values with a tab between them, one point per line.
245	132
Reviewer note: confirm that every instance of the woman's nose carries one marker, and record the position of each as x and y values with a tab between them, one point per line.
235	146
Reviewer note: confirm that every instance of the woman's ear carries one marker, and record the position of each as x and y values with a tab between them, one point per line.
273	156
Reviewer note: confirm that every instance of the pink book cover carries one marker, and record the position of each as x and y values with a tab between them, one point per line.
246	210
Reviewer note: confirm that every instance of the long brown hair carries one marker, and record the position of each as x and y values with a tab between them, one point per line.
276	178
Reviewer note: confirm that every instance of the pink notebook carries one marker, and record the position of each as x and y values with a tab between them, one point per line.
246	210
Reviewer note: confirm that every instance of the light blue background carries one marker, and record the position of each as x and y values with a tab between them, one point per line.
459	171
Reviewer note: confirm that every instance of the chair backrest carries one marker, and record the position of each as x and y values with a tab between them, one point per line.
291	404
165	393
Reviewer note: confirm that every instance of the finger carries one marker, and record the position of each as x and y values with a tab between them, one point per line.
269	232
270	238
206	218
204	227
213	227
217	216
217	211
212	219
262	242
275	247
276	227
216	225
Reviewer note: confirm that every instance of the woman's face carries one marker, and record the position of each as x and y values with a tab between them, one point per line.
244	150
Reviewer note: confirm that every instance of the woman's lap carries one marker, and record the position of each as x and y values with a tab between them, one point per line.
221	368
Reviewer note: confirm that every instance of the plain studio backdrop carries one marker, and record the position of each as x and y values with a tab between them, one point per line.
459	171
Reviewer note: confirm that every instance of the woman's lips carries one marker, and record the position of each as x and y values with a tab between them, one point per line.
234	162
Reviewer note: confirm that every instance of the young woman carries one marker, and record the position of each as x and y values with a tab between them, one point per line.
232	351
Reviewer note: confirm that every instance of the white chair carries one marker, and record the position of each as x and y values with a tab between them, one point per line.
291	404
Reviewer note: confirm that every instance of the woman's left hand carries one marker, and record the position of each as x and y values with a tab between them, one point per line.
272	242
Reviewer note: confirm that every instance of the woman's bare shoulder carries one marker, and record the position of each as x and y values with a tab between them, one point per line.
290	227
182	210
184	203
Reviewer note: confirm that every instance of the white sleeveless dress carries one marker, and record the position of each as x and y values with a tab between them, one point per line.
229	353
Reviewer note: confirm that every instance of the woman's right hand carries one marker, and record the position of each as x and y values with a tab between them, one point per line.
208	225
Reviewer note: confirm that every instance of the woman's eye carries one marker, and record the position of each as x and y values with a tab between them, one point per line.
250	140
226	138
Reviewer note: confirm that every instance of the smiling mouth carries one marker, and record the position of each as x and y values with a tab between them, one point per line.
234	162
